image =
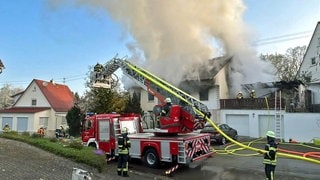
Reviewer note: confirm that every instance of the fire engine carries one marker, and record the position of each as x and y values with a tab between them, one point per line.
171	140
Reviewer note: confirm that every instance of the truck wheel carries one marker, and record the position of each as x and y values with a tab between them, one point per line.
93	145
151	158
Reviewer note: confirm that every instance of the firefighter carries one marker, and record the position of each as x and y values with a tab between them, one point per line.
166	108
270	156
98	68
252	94
123	149
6	128
239	95
41	131
62	131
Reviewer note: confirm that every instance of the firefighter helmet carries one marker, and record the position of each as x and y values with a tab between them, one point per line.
168	100
270	134
124	130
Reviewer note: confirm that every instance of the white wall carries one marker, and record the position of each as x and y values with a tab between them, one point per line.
32	92
303	127
315	96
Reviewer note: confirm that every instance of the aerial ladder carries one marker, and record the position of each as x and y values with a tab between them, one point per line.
101	77
161	89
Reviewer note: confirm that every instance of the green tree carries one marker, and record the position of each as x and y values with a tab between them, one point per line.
133	104
102	100
74	117
287	65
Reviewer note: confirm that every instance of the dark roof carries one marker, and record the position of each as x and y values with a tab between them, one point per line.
59	96
17	94
24	109
212	67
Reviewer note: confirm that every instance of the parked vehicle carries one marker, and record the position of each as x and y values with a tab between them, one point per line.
169	138
216	137
101	131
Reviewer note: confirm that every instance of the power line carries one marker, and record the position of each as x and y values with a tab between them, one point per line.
282	38
62	80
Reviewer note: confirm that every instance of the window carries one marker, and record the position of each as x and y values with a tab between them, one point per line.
313	61
33	102
43	121
204	94
150	97
22	124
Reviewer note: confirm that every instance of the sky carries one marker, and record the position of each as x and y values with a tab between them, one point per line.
61	39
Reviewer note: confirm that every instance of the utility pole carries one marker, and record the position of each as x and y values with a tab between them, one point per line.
1	66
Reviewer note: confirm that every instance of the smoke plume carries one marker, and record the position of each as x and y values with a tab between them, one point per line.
173	38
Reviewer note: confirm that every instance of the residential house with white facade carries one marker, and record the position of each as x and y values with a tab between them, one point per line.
261	114
311	67
206	88
42	104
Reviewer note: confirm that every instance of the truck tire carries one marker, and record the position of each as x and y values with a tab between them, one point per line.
151	158
93	145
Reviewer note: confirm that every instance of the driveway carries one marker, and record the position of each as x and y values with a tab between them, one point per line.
25	162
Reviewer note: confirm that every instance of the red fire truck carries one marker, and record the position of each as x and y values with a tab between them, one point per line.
101	131
172	140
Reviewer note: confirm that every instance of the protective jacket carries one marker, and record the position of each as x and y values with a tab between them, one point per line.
6	128
124	144
166	108
270	157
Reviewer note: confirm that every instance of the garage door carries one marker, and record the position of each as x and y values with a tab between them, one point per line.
266	123
22	124
240	123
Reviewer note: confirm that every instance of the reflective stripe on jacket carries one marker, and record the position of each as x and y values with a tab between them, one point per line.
270	157
123	144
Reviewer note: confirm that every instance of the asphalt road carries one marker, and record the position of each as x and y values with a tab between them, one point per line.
22	161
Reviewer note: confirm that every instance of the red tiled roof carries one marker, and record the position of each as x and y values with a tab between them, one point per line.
59	96
24	110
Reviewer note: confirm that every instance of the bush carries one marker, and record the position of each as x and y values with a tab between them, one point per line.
76	145
25	133
34	135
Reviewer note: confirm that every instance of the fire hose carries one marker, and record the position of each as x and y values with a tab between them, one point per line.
284	154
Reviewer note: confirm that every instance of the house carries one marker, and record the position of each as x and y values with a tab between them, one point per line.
209	88
42	104
257	117
310	68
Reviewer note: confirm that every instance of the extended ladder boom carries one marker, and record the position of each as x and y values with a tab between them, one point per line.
151	83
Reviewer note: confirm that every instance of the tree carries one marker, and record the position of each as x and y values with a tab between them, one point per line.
6	93
74	117
133	104
287	65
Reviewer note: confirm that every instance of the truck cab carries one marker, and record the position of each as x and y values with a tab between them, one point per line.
101	130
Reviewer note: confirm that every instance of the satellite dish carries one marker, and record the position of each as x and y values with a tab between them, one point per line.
44	83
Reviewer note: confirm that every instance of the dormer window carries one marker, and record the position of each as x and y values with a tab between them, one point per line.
33	102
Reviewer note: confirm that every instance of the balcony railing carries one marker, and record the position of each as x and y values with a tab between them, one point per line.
251	103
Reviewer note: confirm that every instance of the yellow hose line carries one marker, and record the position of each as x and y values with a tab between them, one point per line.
212	123
256	149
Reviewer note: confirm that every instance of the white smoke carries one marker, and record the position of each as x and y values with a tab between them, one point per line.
177	36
